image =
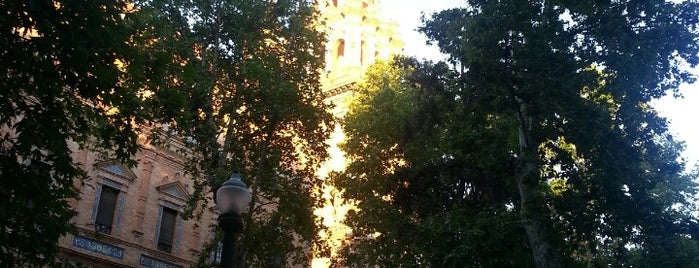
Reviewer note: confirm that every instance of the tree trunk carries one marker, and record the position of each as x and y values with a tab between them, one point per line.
532	213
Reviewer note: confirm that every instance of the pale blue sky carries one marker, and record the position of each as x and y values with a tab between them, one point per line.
683	113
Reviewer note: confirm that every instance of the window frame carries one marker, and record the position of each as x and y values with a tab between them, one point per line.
103	227
117	176
173	196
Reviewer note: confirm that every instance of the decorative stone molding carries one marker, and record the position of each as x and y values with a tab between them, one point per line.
148	261
115	174
98	247
173	192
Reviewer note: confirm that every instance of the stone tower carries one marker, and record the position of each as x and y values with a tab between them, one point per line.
358	35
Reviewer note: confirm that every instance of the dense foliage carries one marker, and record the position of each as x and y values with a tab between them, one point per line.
245	84
434	190
541	138
62	84
237	80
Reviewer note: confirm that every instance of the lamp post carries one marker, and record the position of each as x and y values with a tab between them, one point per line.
231	199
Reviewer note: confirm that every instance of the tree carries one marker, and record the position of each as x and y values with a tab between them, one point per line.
547	117
248	75
428	174
64	83
579	87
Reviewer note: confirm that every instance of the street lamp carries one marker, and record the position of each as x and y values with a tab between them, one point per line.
231	199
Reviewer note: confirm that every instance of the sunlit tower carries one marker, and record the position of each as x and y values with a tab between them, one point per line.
358	35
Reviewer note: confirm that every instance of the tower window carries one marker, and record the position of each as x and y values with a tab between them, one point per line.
340	48
361	55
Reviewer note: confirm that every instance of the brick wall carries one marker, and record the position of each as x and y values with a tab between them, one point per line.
157	181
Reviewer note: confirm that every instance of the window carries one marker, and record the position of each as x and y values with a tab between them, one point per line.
216	252
105	210
361	52
340	48
167	229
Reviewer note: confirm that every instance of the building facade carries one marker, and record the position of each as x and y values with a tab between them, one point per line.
132	217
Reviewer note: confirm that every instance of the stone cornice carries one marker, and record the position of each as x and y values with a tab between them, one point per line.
339	90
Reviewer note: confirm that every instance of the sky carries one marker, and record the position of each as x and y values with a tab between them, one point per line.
683	113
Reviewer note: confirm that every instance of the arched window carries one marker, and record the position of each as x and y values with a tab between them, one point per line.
340	48
361	53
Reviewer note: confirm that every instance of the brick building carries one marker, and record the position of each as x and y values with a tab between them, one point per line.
131	217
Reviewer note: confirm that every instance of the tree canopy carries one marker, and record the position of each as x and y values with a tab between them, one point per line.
431	191
540	137
534	146
238	81
64	82
246	81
